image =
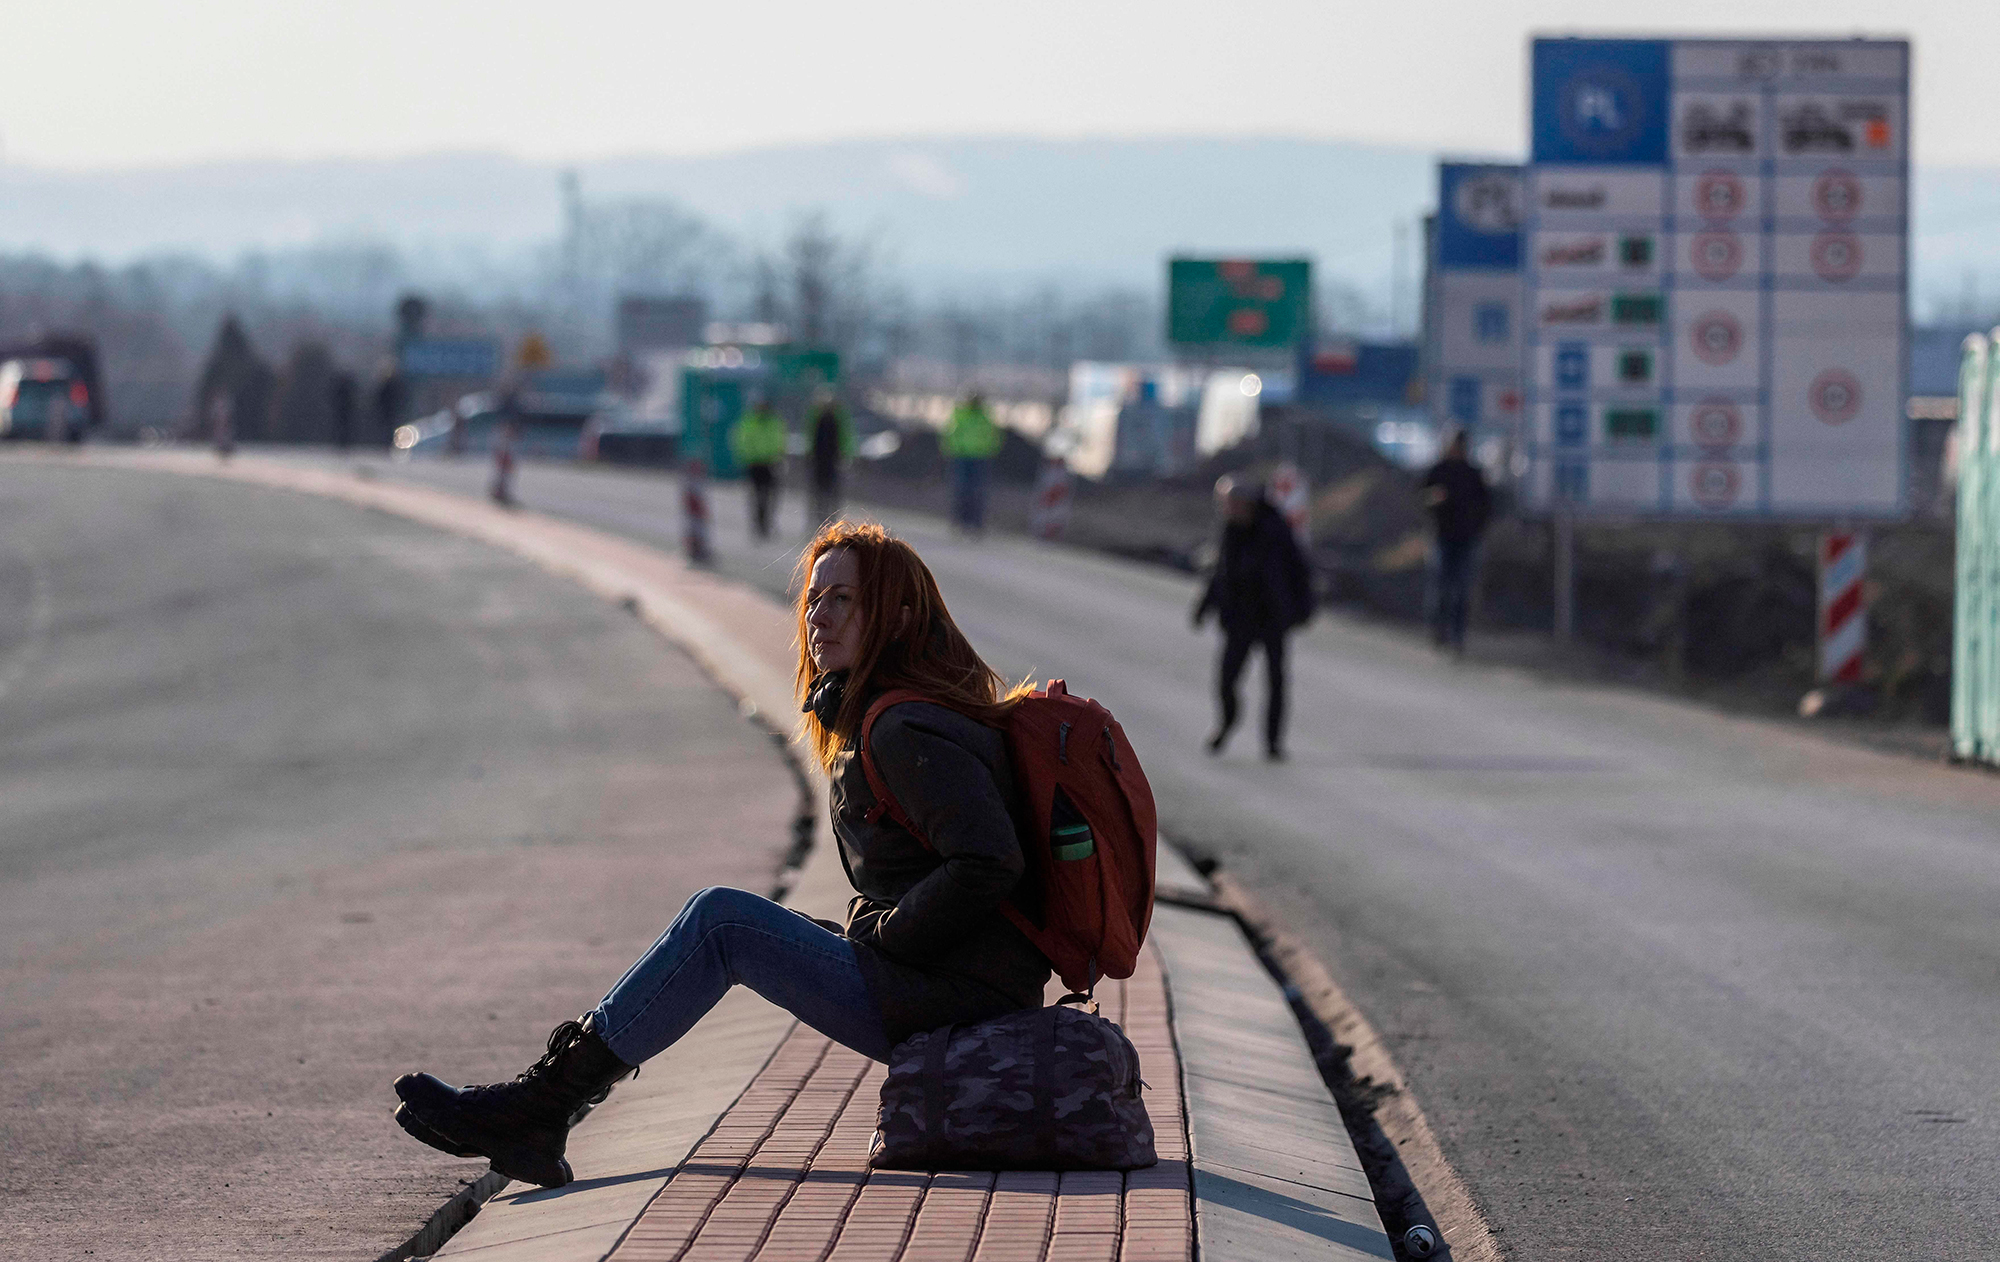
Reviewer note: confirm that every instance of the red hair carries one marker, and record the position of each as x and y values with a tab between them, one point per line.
924	651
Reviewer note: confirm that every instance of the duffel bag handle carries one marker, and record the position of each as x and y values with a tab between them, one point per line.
1085	1001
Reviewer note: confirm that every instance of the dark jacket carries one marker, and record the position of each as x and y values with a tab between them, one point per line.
929	934
832	442
1461	514
1261	582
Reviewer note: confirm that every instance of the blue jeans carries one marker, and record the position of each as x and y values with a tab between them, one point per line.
1453	562
726	937
969	491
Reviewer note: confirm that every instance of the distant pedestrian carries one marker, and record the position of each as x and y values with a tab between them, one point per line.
970	441
340	401
390	394
1261	590
1456	497
503	464
832	448
222	425
758	443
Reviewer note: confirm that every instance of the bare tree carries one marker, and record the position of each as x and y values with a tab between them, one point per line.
822	287
611	248
647	246
767	302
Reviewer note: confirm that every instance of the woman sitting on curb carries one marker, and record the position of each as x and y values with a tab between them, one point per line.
926	944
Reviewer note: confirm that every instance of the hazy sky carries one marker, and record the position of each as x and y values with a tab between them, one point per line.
122	83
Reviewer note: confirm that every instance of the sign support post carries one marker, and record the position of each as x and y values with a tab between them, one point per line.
1565	573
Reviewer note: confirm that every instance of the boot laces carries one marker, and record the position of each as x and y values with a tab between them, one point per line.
561	1039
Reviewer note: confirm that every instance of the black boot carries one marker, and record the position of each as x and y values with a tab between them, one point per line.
519	1126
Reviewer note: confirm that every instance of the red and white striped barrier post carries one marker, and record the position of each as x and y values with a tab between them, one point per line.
1049	513
1843	605
694	510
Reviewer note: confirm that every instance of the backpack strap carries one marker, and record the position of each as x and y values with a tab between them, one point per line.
885	801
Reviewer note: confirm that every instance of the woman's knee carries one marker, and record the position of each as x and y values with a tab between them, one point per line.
720	905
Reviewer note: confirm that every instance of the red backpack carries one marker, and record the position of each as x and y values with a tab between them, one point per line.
1092	829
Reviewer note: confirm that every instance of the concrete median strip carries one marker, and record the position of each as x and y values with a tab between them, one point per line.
1263	1169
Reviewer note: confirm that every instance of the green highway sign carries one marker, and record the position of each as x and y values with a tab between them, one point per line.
1261	303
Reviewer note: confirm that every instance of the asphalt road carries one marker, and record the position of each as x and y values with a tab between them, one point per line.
293	798
1668	983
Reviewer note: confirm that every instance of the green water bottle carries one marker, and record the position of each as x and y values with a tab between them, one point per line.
1070	838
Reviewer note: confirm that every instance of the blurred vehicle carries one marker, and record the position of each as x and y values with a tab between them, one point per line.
49	390
621	433
549	409
1139	420
1411	442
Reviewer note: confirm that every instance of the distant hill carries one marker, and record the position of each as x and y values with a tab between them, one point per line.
947	211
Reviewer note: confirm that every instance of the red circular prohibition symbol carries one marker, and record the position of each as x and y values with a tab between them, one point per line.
1716	423
1837	196
1836	256
1835	396
1719	195
1716	255
1718	338
1714	484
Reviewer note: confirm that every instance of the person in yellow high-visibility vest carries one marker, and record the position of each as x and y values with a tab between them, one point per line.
970	441
758	443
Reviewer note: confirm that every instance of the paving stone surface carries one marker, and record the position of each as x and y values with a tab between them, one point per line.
784	1177
1276	1176
631	1146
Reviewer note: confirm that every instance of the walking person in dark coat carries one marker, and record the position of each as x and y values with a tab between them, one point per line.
1261	590
926	943
1455	495
341	393
832	448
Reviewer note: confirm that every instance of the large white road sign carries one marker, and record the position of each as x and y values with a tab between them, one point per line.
1715	269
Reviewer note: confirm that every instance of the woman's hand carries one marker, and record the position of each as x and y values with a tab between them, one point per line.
864	920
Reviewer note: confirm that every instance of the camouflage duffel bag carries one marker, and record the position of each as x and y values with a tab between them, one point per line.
1043	1089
